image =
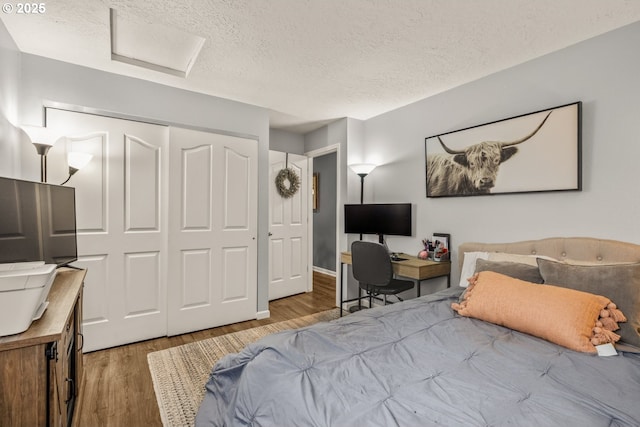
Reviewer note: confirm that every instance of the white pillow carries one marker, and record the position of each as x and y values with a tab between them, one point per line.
523	259
469	266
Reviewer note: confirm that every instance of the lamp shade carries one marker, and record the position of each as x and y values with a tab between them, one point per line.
362	168
78	160
41	135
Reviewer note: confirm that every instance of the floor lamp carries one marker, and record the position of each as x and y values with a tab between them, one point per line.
43	139
362	170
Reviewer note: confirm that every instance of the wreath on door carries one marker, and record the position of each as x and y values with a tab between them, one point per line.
287	181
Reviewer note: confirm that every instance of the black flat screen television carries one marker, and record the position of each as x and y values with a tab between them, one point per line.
378	218
37	222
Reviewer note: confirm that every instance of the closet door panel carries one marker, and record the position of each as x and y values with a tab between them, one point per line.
195	278
236	203
121	207
235	278
216	183
195	193
92	190
95	309
142	276
142	170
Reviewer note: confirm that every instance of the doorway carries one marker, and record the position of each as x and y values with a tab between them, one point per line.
324	217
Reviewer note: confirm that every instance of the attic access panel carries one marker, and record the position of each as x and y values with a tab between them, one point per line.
153	46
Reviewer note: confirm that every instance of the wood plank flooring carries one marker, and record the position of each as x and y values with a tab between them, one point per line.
118	390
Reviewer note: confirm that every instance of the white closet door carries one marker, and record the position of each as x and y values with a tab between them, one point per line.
212	230
121	221
288	241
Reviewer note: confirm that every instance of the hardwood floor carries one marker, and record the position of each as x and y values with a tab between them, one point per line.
118	390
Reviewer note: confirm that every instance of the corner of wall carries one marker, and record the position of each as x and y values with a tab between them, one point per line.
9	83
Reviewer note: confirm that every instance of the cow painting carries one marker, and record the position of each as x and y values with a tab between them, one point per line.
471	171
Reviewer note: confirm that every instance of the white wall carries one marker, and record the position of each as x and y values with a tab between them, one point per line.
602	72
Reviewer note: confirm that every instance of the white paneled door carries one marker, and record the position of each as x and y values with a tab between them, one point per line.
288	241
121	206
212	230
167	226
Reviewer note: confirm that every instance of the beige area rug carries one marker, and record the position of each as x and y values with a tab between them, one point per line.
180	373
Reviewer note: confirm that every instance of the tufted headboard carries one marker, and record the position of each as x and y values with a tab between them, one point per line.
562	248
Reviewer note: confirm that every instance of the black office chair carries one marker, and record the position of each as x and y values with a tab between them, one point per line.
371	266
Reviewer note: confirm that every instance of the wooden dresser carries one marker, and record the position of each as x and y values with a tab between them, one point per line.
41	368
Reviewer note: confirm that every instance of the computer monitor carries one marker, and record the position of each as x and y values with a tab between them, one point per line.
378	218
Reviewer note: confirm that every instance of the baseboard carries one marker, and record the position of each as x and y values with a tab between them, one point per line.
263	315
324	271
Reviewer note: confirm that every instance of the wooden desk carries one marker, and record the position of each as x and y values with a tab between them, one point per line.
412	268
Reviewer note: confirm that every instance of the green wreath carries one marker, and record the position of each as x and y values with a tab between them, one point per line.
287	175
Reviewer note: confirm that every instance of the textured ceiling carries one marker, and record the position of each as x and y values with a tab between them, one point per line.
313	61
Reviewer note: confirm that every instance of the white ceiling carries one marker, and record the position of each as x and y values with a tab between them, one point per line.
313	61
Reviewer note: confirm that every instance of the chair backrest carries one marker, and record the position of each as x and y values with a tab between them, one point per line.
371	263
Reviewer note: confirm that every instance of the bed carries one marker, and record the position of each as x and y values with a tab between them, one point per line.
421	363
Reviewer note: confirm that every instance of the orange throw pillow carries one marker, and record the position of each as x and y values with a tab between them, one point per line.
573	319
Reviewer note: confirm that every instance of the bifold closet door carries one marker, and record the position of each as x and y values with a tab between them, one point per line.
121	205
212	230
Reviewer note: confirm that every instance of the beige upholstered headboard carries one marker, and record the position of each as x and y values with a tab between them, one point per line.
562	248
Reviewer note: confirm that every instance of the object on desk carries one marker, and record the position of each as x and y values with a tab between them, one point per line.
427	253
24	288
396	257
441	246
441	256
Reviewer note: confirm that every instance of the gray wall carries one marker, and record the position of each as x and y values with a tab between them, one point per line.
45	81
601	72
324	219
335	134
348	136
286	142
9	82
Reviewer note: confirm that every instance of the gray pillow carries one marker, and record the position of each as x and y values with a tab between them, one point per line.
528	273
516	270
618	282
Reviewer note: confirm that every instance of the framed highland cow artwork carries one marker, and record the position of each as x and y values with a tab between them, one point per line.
534	152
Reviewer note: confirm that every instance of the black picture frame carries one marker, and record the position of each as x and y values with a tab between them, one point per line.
534	152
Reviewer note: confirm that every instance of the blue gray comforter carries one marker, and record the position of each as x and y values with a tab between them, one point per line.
418	363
